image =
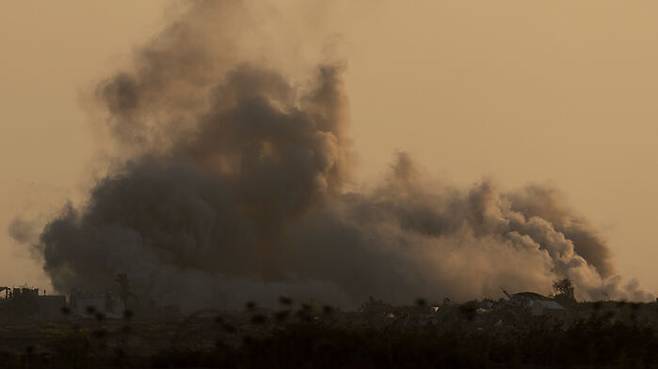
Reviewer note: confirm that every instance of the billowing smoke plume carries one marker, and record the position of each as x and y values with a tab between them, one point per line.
232	186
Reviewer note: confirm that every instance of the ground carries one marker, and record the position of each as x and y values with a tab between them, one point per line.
476	334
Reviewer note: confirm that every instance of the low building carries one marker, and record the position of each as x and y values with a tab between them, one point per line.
29	303
538	304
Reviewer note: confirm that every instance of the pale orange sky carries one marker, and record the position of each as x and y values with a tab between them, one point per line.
557	91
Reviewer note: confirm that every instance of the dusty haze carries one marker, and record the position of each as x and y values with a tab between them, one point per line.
523	93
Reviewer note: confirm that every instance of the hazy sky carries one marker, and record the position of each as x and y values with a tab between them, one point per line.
556	91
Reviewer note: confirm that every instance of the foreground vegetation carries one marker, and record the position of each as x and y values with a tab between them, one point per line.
591	335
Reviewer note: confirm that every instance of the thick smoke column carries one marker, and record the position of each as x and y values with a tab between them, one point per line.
231	186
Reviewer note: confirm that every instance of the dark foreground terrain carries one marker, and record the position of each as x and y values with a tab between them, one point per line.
478	334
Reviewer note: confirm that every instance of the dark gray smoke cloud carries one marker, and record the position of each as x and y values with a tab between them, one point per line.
232	186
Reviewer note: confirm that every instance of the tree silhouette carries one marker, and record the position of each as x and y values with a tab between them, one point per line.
564	289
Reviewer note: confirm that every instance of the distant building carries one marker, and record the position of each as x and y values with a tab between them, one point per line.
538	304
29	303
